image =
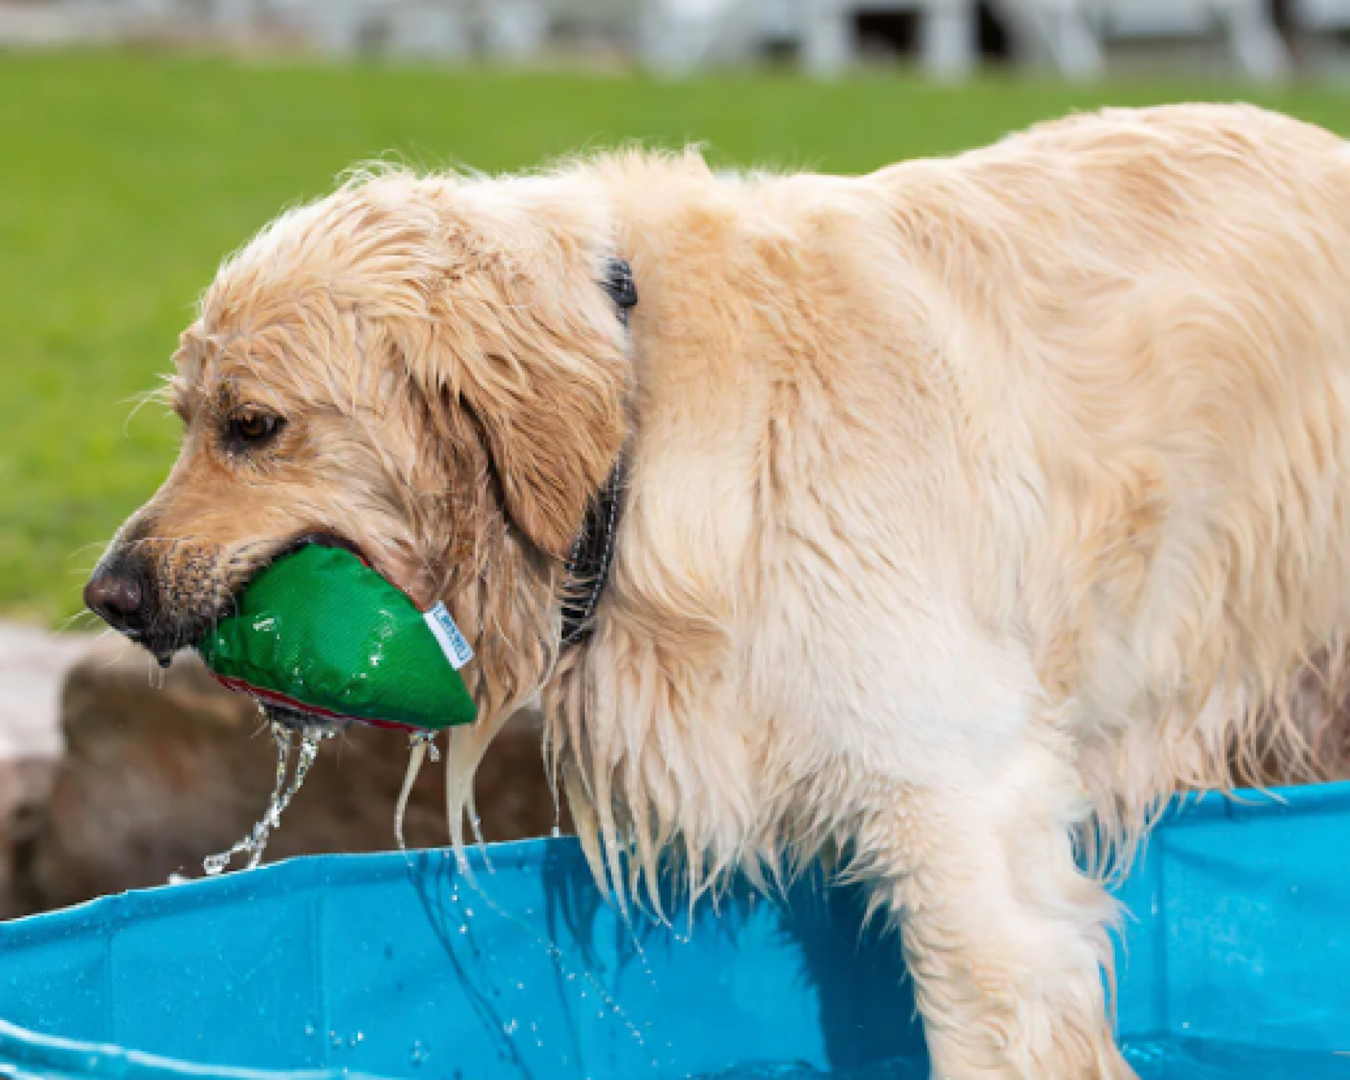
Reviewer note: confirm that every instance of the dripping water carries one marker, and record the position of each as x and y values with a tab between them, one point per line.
284	790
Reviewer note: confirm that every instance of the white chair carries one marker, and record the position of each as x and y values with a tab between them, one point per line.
514	29
112	16
680	35
677	36
1253	41
339	27
1057	33
1073	33
504	29
234	19
1320	16
948	34
1315	24
429	29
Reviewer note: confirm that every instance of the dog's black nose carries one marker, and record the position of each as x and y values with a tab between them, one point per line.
118	597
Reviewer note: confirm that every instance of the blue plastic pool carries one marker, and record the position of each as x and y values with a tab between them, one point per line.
1235	965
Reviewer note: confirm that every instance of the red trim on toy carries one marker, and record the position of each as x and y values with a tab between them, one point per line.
239	686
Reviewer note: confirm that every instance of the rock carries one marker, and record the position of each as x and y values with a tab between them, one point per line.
164	768
24	788
33	665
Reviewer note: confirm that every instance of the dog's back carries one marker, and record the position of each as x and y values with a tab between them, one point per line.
1123	342
1165	347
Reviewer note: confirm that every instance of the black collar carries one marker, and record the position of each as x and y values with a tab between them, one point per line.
593	551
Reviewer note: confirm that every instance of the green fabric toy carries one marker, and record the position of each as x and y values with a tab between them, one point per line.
321	634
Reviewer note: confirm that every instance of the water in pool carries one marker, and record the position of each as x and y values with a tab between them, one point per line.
1161	1059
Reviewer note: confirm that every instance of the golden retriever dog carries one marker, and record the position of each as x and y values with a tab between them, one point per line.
968	509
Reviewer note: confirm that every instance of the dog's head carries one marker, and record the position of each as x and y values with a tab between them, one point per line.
423	369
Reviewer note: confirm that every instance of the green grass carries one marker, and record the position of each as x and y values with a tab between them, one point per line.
124	178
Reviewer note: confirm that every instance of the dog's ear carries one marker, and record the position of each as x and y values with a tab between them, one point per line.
522	334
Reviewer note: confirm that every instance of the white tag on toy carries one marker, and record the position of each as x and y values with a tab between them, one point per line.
453	643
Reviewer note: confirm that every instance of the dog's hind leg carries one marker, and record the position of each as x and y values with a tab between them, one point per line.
1005	937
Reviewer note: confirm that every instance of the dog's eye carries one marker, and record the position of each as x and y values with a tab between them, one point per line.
251	427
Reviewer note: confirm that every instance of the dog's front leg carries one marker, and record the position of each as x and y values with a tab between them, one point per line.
1003	934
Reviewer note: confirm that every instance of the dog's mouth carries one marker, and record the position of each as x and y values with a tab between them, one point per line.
316	539
319	539
173	631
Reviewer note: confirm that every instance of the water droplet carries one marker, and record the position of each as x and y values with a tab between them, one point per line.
606	1000
282	793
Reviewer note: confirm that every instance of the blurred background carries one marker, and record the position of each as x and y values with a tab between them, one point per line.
142	140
